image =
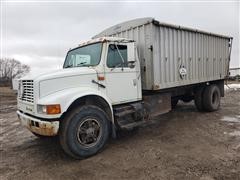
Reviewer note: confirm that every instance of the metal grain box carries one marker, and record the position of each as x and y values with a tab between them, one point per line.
172	56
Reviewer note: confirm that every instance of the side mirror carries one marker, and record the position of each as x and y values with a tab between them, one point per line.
131	52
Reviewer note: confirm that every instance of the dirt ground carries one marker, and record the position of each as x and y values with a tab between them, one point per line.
183	144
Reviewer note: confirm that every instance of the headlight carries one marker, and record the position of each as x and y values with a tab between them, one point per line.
49	109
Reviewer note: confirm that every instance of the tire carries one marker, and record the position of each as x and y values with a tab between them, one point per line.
211	98
198	99
84	131
174	103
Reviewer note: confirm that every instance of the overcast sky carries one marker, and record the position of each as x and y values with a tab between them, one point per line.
40	34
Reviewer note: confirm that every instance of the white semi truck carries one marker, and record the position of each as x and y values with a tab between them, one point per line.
120	79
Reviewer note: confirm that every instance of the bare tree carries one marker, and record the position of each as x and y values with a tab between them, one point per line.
11	68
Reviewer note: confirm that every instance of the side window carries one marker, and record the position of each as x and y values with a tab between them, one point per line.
117	56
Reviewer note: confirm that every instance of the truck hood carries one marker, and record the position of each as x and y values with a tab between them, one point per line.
60	73
48	83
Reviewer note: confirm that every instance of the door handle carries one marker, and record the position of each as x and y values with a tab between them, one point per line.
100	85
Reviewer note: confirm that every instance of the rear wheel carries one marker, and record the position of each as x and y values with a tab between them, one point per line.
84	132
211	98
198	99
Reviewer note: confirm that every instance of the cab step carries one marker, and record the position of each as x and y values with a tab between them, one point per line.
124	113
122	108
132	125
128	116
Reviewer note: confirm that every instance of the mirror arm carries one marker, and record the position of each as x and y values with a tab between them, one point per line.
119	54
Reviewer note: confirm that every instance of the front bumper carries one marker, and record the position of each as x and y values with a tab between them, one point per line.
37	126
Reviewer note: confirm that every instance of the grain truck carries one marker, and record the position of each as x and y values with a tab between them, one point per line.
120	79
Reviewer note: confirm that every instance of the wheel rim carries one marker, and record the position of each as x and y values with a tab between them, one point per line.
89	132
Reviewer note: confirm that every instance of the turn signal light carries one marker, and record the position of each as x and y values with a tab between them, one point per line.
54	109
101	78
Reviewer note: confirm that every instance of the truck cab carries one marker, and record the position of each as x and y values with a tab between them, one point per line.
96	76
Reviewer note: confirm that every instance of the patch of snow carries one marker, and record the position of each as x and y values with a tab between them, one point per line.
234	133
237	147
232	87
231	119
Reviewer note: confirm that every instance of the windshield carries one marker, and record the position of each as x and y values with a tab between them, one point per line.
89	55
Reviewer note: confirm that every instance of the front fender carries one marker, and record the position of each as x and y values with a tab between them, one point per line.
67	96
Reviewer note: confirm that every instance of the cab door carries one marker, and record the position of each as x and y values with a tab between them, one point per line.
122	80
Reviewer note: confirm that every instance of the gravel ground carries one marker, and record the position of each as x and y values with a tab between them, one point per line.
183	144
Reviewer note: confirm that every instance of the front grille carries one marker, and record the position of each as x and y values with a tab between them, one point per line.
26	93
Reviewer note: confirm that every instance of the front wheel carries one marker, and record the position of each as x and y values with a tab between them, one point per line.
84	131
